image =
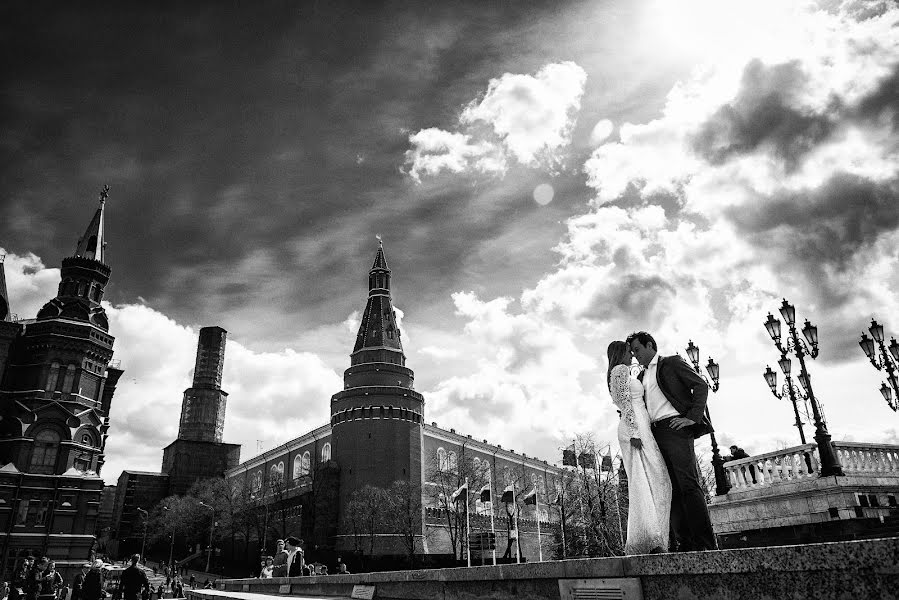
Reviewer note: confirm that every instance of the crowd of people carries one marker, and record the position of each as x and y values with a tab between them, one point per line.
39	580
289	560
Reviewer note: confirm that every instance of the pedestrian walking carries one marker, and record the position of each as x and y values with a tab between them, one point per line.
92	588
133	581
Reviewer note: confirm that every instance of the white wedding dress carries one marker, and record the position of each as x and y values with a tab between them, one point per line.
649	487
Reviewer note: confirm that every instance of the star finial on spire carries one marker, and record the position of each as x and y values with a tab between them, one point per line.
380	241
104	194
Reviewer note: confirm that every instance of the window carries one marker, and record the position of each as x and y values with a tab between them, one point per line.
82	464
276	475
441	459
452	461
507	476
863	500
891	500
86	439
326	452
307	462
834	512
42	510
875	502
69	380
46	446
22	515
53	377
257	481
297	466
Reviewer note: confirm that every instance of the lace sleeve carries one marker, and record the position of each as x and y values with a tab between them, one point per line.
621	396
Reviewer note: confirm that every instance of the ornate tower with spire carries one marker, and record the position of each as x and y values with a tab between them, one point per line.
376	419
199	452
57	388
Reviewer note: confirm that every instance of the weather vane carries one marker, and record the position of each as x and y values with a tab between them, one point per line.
378	237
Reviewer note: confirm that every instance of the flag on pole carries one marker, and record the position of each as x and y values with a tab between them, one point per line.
530	497
485	493
607	462
569	458
508	495
587	460
462	493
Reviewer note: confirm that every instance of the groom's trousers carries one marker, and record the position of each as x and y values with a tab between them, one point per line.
690	523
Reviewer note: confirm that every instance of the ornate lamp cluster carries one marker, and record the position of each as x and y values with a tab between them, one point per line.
721	484
789	389
888	360
830	463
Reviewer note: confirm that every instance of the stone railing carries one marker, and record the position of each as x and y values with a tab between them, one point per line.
859	458
790	464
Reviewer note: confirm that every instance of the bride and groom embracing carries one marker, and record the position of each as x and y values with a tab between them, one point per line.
662	412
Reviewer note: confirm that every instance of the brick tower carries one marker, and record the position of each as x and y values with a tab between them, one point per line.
199	452
58	381
376	419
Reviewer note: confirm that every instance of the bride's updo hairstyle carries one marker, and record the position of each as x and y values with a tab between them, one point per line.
619	354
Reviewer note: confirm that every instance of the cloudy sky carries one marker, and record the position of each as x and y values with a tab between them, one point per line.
546	177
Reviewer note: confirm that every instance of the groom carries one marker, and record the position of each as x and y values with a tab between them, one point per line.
675	399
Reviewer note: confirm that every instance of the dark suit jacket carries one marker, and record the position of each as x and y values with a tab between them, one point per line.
685	390
296	567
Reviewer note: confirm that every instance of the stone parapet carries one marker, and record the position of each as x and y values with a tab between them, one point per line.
861	569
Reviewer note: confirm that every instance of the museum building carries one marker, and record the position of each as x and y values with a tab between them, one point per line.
57	381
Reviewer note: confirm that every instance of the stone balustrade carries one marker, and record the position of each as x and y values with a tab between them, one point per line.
801	462
790	464
868	459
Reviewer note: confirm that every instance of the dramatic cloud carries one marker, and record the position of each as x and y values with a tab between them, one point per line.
525	118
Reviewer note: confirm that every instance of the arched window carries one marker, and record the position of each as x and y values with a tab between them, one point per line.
507	476
307	462
477	465
297	466
82	287
451	459
86	439
257	481
69	380
326	452
53	378
276	474
46	446
441	459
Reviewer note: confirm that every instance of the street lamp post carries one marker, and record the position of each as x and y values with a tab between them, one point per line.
888	360
211	530
789	389
722	486
144	542
830	463
172	546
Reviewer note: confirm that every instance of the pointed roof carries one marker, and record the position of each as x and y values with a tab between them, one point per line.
378	328
92	245
4	295
380	260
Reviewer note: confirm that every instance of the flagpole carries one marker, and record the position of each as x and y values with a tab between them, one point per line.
467	528
492	529
537	513
517	530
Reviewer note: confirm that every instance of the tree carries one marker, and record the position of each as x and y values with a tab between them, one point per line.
404	515
448	473
367	515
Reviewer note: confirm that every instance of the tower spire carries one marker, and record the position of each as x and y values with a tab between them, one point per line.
4	295
92	244
379	330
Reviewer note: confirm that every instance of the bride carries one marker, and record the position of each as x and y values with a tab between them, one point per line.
649	487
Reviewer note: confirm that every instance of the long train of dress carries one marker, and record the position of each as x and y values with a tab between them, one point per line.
649	486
